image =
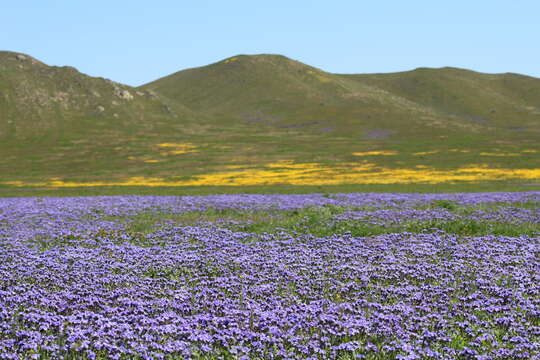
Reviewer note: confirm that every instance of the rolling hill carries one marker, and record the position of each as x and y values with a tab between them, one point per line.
240	117
36	99
274	90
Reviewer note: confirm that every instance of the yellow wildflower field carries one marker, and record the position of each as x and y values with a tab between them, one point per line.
287	172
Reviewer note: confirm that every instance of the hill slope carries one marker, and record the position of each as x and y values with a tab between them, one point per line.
232	121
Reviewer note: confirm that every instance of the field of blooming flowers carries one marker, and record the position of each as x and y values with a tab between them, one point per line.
342	276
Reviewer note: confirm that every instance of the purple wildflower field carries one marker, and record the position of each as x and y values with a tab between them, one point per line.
77	283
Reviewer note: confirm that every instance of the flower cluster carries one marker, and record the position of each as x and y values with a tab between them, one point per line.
75	284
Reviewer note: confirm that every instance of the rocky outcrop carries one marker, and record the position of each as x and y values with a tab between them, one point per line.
123	94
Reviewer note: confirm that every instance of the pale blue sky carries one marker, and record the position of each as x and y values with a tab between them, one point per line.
138	41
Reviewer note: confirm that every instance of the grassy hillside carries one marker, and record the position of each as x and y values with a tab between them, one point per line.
57	122
490	101
274	91
266	119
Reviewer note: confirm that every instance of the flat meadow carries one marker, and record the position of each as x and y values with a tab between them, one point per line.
297	276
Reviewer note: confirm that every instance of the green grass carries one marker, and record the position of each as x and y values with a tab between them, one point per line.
318	221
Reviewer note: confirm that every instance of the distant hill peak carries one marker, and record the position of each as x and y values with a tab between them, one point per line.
257	58
272	60
457	70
